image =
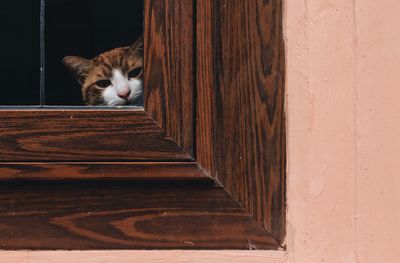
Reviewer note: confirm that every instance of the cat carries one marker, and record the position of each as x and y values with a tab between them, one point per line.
114	78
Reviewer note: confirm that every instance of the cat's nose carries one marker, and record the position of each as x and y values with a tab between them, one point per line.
124	94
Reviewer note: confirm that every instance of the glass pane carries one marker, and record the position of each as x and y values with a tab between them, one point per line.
77	31
20	52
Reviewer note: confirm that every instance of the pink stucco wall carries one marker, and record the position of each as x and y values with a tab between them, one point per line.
344	130
343	79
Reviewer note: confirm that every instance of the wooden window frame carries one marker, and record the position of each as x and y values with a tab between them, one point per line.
214	123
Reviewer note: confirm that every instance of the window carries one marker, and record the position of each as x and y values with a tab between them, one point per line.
82	29
205	156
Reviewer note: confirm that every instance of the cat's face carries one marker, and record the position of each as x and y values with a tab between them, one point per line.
113	78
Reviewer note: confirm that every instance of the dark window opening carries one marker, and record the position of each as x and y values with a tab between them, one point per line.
84	28
20	52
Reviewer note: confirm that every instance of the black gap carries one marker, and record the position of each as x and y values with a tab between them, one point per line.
20	52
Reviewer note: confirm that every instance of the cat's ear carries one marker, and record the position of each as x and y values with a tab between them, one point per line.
138	45
78	66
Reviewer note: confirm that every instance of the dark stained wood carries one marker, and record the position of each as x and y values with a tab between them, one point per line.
164	133
237	55
124	216
104	171
241	90
169	68
205	87
84	135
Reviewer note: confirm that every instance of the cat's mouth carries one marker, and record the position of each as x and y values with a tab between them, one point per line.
135	101
121	103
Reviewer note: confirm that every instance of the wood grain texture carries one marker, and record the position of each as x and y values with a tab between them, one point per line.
169	68
90	135
240	141
166	133
102	171
205	74
124	216
241	94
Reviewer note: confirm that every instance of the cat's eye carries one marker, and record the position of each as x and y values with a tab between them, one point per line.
135	73
103	83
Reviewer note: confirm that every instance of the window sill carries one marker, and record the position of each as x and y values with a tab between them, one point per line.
125	215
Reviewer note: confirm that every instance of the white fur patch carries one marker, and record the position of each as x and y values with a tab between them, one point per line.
119	84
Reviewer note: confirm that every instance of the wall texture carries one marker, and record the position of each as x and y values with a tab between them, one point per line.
343	78
344	130
378	131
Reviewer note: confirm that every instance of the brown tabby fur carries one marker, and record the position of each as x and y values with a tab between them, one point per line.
88	72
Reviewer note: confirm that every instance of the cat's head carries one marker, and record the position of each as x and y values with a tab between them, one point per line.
114	78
